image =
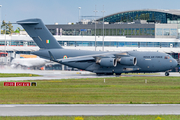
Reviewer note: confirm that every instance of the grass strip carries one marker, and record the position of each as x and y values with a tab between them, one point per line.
122	117
117	90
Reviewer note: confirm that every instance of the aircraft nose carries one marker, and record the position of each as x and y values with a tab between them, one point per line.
175	63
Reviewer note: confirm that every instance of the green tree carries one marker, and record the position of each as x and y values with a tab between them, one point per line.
6	27
10	28
17	30
3	27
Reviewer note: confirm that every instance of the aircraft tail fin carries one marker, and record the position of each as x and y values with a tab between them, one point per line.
39	33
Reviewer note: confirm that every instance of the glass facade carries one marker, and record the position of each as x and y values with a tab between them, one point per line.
18	43
166	32
99	43
77	32
150	16
119	44
110	32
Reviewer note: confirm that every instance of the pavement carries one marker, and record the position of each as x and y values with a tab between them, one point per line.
89	109
50	74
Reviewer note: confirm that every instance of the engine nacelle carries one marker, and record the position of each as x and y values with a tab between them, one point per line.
108	62
130	61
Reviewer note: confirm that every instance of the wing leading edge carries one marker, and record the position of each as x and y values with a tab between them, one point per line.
94	57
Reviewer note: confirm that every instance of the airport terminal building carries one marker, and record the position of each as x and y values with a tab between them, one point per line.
142	30
132	24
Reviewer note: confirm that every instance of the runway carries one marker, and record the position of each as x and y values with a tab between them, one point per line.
89	110
49	75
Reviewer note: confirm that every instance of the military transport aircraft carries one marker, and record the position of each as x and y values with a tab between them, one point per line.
99	62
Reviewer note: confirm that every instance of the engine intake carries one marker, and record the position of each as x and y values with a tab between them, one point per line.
130	61
108	62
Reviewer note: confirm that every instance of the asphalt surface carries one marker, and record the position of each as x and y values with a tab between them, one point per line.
89	110
47	75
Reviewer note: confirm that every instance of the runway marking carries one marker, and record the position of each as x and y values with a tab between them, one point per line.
91	105
1	106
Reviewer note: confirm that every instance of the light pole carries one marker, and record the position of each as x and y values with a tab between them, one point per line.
103	27
5	35
95	26
5	41
79	14
0	19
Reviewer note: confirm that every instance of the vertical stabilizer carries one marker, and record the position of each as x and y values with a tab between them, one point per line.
39	33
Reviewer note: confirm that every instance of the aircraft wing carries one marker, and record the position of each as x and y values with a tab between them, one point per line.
76	59
93	57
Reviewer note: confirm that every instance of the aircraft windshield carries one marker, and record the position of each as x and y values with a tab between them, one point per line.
168	57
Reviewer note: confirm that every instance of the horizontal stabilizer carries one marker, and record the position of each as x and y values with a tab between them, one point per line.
26	23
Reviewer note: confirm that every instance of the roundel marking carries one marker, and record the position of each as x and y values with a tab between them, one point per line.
64	57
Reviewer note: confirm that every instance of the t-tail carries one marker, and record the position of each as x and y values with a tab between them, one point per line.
39	33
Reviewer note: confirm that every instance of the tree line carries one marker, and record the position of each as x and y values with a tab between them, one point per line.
8	28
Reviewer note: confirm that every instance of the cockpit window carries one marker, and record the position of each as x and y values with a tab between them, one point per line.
166	57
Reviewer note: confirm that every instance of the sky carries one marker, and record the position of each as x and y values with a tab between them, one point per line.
65	11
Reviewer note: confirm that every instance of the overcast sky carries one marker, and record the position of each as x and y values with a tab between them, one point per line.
64	11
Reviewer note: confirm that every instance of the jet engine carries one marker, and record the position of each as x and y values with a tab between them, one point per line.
108	62
130	61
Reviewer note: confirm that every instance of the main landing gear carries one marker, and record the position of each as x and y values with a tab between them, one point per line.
100	74
118	74
166	73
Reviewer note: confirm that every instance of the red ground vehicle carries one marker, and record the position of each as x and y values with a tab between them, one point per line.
3	54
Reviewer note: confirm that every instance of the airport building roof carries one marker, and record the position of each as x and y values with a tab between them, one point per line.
152	15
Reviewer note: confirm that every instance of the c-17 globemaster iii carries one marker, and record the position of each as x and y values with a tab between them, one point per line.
98	62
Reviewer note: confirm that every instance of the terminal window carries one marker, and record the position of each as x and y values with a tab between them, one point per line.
159	31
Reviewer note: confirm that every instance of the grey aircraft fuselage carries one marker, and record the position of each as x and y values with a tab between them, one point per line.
146	61
95	61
